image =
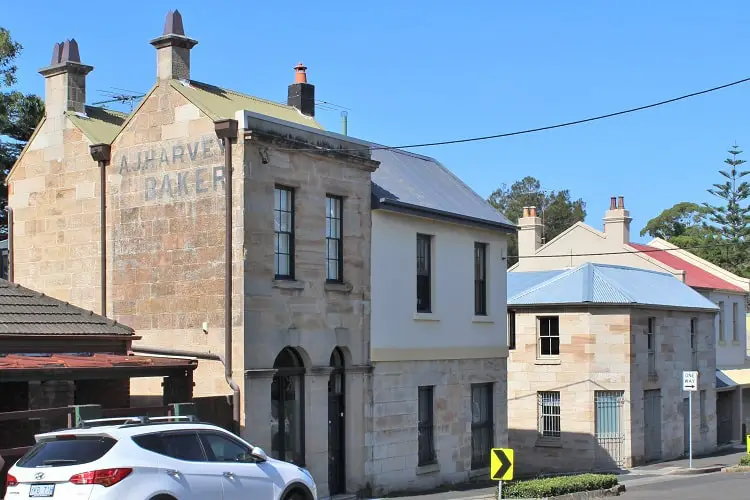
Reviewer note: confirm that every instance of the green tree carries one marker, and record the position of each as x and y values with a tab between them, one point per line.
557	209
19	116
731	216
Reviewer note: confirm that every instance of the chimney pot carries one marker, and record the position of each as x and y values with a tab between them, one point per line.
532	211
173	49
525	212
56	54
173	24
613	203
65	86
621	202
300	73
69	52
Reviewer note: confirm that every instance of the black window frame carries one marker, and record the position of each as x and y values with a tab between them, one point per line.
480	279
426	454
339	220
480	456
549	338
511	329
278	189
424	273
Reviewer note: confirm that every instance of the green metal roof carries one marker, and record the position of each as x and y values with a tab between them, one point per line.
100	125
218	103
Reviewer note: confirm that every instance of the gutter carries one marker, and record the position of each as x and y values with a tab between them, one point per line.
226	130
101	153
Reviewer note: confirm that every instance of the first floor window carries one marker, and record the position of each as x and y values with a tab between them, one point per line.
482	427
424	273
425	437
334	239
549	336
283	221
511	329
549	415
288	408
480	279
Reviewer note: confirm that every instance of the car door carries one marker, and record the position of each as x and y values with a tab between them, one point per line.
243	476
182	462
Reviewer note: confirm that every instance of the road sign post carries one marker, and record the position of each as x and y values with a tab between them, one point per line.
690	384
501	467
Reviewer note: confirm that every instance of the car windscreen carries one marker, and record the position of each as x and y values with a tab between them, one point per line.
67	451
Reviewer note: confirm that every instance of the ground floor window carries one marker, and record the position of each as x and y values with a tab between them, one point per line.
549	415
482	428
288	408
425	440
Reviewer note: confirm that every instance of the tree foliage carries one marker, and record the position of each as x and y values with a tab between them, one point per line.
19	115
557	209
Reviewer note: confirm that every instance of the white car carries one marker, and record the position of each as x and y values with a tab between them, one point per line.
153	459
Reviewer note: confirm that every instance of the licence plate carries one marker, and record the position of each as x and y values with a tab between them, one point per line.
42	490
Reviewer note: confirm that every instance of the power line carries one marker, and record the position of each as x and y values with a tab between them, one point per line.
532	130
634	251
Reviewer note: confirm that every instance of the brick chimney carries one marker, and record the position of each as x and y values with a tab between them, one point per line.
617	221
301	94
173	50
529	233
65	85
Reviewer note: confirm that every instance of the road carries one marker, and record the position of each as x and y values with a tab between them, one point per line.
723	485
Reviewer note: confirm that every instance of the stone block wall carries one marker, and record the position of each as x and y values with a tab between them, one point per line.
594	356
391	439
673	355
166	195
54	193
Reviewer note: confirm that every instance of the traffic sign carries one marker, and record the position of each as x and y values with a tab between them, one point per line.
690	381
501	464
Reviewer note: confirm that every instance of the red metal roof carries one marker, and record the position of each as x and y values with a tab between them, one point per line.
694	275
90	361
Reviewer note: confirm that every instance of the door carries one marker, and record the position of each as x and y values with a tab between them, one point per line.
182	464
242	476
686	425
652	425
336	428
609	433
724	417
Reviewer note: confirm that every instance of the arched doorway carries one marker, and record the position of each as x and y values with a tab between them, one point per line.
288	408
336	427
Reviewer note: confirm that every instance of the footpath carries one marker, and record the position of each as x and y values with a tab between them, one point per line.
656	472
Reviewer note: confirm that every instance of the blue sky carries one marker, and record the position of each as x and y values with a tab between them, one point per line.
423	71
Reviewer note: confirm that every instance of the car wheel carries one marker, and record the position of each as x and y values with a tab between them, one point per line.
295	495
164	497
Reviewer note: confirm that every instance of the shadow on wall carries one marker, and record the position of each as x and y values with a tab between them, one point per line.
572	453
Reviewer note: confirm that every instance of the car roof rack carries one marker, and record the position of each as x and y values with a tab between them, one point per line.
138	420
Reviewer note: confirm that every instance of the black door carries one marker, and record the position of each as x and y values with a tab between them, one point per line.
336	428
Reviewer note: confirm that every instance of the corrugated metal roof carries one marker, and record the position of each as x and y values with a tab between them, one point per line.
90	361
423	182
26	312
99	125
592	283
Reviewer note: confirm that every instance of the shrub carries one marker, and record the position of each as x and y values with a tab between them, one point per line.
561	485
745	460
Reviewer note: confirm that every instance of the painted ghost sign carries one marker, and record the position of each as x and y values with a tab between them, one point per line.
158	167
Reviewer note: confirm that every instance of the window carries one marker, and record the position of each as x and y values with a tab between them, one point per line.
424	272
66	452
704	422
651	347
721	321
426	442
694	342
735	322
334	239
288	408
549	336
283	219
548	410
482	428
511	329
480	279
223	449
181	445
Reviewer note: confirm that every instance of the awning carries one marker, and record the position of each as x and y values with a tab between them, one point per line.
730	378
88	365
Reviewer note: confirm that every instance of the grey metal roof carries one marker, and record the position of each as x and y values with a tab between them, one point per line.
592	283
420	184
26	312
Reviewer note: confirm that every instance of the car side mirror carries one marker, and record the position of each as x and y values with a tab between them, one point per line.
259	454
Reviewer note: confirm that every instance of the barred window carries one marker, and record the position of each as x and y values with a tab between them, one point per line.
283	219
482	427
334	239
425	436
549	414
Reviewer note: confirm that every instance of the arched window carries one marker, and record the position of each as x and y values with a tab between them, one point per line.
288	408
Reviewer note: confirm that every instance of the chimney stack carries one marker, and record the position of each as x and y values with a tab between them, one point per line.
529	233
65	86
617	221
173	50
301	94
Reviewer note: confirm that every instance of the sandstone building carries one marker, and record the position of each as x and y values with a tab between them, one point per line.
595	368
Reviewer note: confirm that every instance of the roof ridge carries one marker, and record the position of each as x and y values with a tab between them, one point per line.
120	114
640	269
546	282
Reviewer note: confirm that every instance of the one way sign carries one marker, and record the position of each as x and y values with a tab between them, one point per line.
501	464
